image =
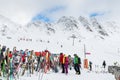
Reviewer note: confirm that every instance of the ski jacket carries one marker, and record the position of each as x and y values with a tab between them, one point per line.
61	58
75	60
10	55
66	60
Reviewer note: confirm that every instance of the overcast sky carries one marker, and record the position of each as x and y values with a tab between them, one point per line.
24	11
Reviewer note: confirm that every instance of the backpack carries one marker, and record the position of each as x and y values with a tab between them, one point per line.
79	60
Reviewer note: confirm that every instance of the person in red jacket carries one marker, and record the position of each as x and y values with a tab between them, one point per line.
10	54
62	62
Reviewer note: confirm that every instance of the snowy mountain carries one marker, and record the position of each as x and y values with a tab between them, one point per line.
68	25
8	28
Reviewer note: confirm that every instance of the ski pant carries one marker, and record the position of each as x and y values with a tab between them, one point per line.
77	68
90	68
66	68
70	66
63	68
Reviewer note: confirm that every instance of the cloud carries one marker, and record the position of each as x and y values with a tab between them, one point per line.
56	8
44	16
99	14
24	11
96	14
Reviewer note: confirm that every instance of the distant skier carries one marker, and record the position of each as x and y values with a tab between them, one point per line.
90	65
104	64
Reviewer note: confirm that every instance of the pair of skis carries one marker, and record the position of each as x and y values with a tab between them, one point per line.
40	77
11	70
41	71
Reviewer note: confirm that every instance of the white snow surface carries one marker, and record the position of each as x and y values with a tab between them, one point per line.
85	75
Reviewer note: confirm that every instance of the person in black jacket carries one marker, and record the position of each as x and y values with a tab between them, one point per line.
104	64
90	65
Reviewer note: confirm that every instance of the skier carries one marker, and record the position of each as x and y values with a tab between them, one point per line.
70	62
66	64
55	63
104	64
90	65
62	62
76	64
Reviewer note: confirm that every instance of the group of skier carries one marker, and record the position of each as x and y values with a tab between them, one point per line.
67	62
18	62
